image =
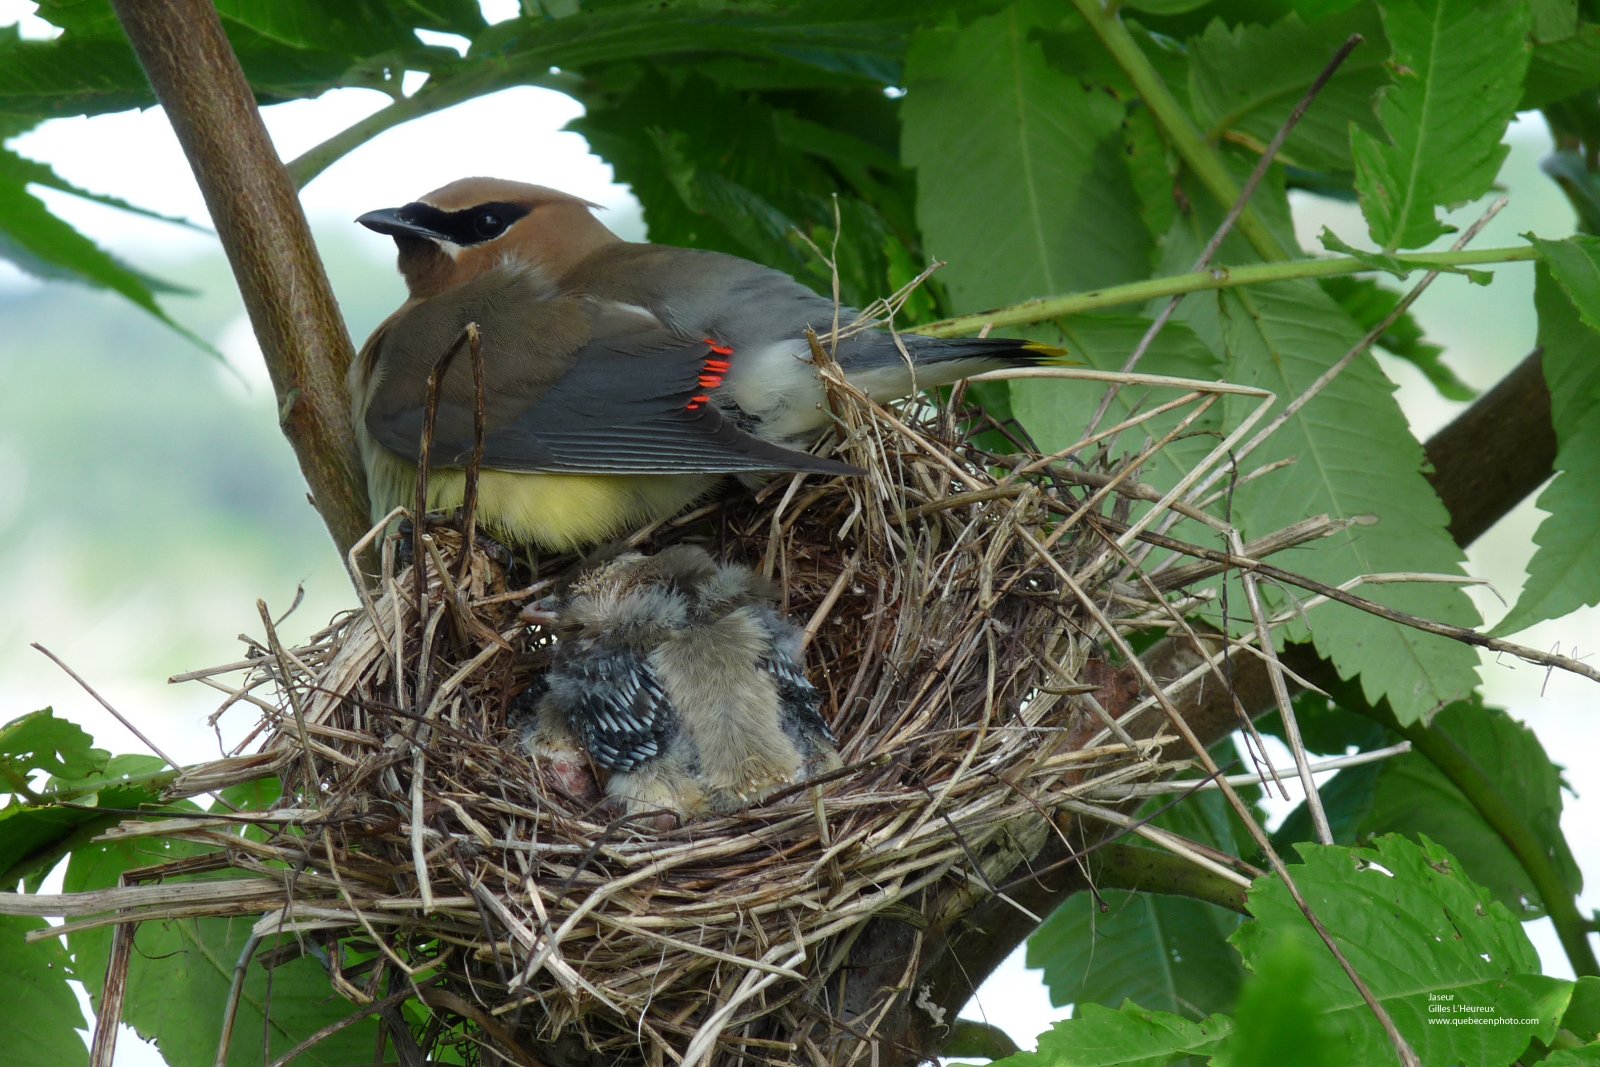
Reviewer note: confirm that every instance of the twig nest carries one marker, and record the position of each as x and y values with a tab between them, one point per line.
943	644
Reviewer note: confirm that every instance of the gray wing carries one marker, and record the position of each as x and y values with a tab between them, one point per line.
605	392
616	705
798	699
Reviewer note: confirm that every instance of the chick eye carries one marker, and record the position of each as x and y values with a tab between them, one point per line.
487	224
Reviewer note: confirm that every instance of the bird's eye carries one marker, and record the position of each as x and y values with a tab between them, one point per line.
488	224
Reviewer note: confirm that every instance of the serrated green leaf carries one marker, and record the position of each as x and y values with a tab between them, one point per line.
1245	79
39	741
1458	68
725	170
1564	573
38	998
33	837
71	75
1161	952
1129	1037
43	245
1021	183
1369	303
1429	944
180	971
1282	337
1575	265
1413	797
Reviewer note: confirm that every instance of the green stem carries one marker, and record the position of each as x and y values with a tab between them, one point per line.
1186	137
1465	774
155	782
1055	307
1149	870
436	94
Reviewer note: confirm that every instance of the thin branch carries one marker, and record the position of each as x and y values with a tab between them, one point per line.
1046	309
104	703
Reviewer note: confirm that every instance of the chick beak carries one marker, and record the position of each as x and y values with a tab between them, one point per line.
543	612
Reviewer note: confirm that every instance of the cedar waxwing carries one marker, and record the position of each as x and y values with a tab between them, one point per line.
623	380
680	678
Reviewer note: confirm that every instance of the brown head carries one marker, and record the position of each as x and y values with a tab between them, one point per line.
457	232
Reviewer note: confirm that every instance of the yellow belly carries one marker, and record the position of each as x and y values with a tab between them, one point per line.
560	512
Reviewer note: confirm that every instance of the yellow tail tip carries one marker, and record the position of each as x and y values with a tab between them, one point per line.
1051	355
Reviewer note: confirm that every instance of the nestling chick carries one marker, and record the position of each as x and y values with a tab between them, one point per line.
680	678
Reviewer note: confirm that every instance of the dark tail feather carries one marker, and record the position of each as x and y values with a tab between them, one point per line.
1000	351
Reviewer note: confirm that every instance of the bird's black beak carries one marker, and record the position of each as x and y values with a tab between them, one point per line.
397	222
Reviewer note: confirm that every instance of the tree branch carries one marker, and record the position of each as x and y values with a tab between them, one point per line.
258	217
1496	452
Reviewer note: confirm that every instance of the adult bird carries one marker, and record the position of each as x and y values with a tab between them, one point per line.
623	379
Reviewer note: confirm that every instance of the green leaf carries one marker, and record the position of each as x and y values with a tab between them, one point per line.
1021	182
725	170
1162	952
1582	1017
1575	266
1415	798
1458	67
43	245
38	999
1392	265
39	741
1056	412
842	38
1563	68
1369	303
1429	944
1129	1037
1327	728
1574	1057
1166	7
352	27
289	49
1244	80
1346	801
180	971
34	837
71	75
1564	573
1282	337
1553	20
1280	1019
